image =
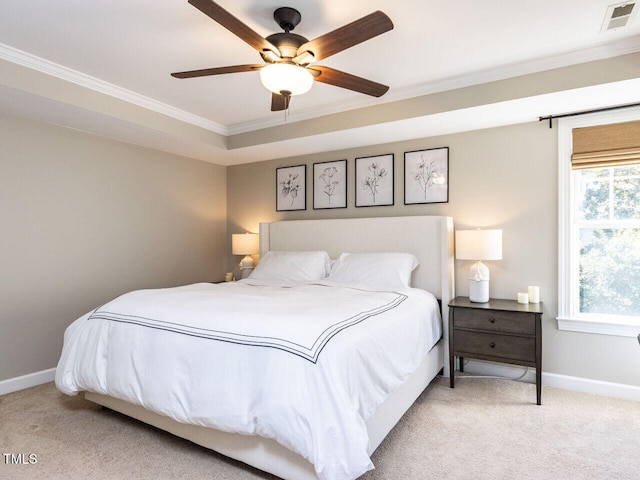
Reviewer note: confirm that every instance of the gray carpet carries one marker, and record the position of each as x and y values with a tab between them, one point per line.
482	429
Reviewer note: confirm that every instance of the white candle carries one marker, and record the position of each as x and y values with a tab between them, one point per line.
228	277
523	297
534	294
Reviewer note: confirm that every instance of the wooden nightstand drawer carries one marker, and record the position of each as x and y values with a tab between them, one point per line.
493	345
494	321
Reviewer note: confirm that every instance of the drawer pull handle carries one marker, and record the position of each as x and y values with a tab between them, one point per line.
492	345
492	320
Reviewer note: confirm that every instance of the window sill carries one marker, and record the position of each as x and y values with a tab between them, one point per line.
602	326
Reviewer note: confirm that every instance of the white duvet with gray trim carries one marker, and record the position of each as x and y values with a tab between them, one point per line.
305	364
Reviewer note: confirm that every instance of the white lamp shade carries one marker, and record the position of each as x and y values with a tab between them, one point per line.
278	77
479	244
245	244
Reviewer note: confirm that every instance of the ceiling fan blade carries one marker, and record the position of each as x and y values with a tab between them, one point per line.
279	102
347	36
346	80
217	71
235	26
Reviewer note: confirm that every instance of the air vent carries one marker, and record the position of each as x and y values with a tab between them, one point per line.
618	16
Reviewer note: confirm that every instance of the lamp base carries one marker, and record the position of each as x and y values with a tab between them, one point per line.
479	291
246	266
479	283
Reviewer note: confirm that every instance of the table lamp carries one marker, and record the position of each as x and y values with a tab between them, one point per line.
479	245
245	244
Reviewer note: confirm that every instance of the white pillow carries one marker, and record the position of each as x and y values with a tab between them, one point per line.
292	266
380	270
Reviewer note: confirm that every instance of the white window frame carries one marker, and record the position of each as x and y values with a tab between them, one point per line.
569	317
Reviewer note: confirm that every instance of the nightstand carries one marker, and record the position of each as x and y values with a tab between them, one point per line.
502	331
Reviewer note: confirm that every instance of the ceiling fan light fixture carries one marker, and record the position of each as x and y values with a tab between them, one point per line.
279	77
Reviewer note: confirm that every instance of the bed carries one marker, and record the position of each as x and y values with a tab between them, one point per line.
427	238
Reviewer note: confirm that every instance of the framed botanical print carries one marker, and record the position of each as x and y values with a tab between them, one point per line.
374	181
330	185
291	188
426	176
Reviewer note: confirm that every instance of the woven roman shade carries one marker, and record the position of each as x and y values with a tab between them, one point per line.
610	145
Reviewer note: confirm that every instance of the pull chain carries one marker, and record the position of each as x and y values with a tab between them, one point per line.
287	101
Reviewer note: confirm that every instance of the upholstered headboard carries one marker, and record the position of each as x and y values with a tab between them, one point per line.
429	238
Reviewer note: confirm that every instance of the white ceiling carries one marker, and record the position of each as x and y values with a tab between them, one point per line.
133	46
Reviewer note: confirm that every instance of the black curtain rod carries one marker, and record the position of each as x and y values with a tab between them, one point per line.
585	112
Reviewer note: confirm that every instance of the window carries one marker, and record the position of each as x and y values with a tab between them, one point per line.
607	229
599	224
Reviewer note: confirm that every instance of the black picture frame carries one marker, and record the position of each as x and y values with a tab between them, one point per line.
330	185
426	176
374	180
291	188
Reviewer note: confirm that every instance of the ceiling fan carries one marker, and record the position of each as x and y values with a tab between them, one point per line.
287	56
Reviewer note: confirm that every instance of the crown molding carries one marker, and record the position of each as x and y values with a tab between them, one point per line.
601	52
47	67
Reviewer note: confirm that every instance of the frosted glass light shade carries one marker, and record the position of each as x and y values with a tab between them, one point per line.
245	244
279	77
479	244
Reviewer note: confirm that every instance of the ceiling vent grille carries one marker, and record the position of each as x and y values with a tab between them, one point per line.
618	15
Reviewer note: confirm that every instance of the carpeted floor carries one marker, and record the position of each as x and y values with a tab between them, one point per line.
482	429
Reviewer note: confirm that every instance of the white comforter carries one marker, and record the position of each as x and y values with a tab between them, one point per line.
305	365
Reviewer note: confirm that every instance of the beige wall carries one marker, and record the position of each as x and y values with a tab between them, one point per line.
502	177
85	219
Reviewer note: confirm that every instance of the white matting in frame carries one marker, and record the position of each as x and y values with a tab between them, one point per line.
426	176
291	188
330	184
374	181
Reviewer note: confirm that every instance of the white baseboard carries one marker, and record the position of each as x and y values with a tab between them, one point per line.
26	381
578	384
597	387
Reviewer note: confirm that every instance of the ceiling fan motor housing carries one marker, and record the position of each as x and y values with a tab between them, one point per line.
287	43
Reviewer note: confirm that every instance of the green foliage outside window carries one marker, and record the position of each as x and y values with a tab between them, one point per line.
609	230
